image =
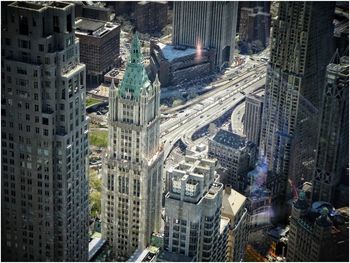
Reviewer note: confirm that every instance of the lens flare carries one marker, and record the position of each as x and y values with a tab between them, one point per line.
198	51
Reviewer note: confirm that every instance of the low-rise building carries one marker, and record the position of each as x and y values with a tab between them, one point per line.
233	207
234	154
99	46
194	226
115	74
176	64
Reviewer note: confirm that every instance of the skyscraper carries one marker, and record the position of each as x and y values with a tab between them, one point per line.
300	52
132	172
44	195
333	143
193	223
210	25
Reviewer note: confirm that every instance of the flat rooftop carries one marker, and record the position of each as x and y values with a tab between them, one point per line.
147	2
171	53
255	97
166	256
38	6
229	139
146	255
96	28
95	245
88	25
28	5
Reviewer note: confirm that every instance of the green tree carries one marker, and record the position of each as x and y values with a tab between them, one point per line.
95	186
177	102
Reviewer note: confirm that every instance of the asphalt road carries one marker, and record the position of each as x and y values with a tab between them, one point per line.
184	124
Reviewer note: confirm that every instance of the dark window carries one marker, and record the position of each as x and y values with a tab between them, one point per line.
69	23
56	24
23	25
43	23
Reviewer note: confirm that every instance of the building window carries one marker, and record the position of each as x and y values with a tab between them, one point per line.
23	25
69	23
56	24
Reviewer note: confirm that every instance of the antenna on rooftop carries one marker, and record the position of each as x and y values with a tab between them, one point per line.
336	58
346	52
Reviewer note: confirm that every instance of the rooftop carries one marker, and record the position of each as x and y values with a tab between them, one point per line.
148	2
95	245
85	24
166	256
214	189
324	214
170	52
27	5
146	255
254	97
224	221
97	28
232	202
229	139
339	67
40	5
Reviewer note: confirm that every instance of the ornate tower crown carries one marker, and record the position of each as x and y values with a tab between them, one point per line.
135	78
136	55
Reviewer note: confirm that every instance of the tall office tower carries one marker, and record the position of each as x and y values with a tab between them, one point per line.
333	144
210	25
318	233
300	51
252	117
132	177
193	224
44	196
